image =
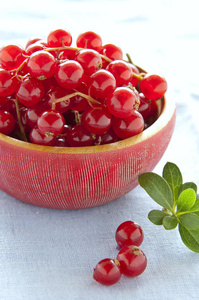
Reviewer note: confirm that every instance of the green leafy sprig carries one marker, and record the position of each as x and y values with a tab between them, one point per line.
179	200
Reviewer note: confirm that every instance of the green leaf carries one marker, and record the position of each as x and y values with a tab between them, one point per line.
190	221
195	208
156	216
157	188
187	185
172	174
170	222
186	200
190	238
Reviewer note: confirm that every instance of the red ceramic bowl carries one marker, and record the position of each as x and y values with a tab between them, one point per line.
76	178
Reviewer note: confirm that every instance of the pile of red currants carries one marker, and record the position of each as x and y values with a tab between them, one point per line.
56	94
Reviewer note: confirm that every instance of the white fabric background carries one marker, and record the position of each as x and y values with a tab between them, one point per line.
50	254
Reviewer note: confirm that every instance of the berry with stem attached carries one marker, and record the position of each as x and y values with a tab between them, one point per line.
41	64
96	120
107	271
122	102
89	39
133	261
50	123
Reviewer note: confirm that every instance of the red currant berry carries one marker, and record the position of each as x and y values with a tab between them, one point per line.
8	83
78	136
128	127
11	57
7	122
90	60
153	86
34	111
61	142
148	108
96	120
56	93
32	41
34	48
50	123
132	261
67	54
78	103
121	71
69	74
30	91
41	64
107	271
122	102
89	40
101	84
106	138
129	233
111	51
59	38
36	137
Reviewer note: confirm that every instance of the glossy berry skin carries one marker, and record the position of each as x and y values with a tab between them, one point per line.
148	108
59	38
50	123
30	91
36	137
96	120
78	136
7	122
121	71
90	60
79	103
121	102
112	51
34	111
129	233
106	138
34	48
89	39
41	65
56	93
153	86
107	271
132	261
8	83
128	127
11	57
69	74
101	84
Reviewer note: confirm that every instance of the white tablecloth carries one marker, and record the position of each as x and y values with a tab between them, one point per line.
50	254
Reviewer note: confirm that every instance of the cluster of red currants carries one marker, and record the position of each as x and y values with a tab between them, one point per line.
54	94
130	261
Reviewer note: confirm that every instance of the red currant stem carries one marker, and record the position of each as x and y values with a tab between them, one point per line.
67	97
75	49
138	76
21	66
129	58
77	117
23	134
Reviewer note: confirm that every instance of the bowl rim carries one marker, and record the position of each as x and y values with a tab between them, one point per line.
168	109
